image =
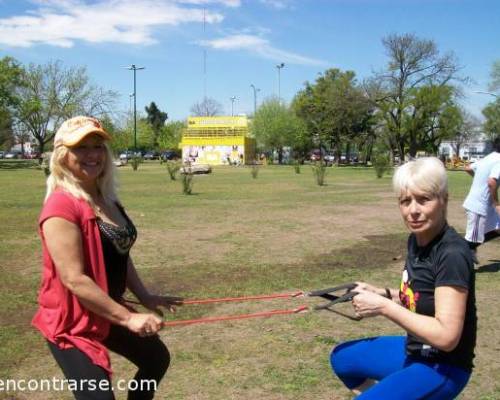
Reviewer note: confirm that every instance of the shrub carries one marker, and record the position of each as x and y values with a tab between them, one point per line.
296	166
172	168
381	164
187	179
135	161
45	165
319	171
254	170
19	164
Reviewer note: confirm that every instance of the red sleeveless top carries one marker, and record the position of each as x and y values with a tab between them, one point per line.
61	318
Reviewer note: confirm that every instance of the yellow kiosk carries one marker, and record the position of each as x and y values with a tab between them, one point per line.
217	141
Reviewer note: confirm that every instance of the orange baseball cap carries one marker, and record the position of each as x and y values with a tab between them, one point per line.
75	129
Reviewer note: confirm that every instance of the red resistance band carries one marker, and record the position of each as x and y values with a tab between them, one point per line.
239	316
245	298
231	317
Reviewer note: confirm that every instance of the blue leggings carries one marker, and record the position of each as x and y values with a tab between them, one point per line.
384	359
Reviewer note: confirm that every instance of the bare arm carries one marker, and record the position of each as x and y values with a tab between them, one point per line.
442	331
392	295
469	169
64	243
493	187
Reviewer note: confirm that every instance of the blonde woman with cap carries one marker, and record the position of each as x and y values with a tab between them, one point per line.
435	304
86	238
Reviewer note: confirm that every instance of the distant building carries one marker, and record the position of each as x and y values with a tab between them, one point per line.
470	150
28	147
217	141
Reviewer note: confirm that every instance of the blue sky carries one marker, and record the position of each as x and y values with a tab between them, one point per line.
244	41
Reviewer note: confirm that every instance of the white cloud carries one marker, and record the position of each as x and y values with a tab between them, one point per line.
261	47
277	4
227	3
62	22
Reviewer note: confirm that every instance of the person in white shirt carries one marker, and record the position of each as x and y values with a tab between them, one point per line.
481	204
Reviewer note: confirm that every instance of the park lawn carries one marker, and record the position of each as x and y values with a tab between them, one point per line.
236	236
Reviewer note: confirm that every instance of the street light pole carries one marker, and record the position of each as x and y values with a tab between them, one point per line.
279	67
134	68
232	98
130	102
255	90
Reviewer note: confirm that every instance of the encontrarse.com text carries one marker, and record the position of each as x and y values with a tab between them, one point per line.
60	385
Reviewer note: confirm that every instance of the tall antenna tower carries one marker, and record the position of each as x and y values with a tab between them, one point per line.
205	63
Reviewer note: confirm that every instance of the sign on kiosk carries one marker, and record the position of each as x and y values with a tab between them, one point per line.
222	140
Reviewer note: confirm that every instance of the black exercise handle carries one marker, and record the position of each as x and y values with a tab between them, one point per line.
342	299
323	292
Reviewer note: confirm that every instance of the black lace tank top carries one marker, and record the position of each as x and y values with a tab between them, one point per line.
116	244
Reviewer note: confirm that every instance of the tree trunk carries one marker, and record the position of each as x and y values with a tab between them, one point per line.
368	153
348	152
41	146
338	154
401	151
393	155
413	147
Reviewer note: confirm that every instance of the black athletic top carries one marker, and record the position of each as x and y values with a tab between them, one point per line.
445	261
116	244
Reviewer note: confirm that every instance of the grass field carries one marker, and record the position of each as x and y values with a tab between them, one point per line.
234	236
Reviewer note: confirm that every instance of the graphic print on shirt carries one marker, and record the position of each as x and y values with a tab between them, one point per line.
406	295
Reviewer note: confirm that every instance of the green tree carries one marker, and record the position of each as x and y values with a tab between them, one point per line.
491	124
433	117
6	131
308	106
413	63
171	135
335	111
146	136
276	126
10	79
51	93
491	112
121	138
467	130
156	118
495	76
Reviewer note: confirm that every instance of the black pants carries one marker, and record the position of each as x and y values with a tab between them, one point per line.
149	354
487	237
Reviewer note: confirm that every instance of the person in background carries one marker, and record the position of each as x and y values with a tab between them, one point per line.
481	204
86	239
435	304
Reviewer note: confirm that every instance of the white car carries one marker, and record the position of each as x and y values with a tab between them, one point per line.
329	159
196	169
13	154
126	155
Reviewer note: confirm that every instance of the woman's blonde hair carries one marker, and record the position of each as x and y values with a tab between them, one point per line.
425	174
61	177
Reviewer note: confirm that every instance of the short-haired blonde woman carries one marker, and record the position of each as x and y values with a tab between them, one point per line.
435	304
86	239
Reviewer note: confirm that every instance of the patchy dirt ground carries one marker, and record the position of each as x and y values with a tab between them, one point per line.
253	247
